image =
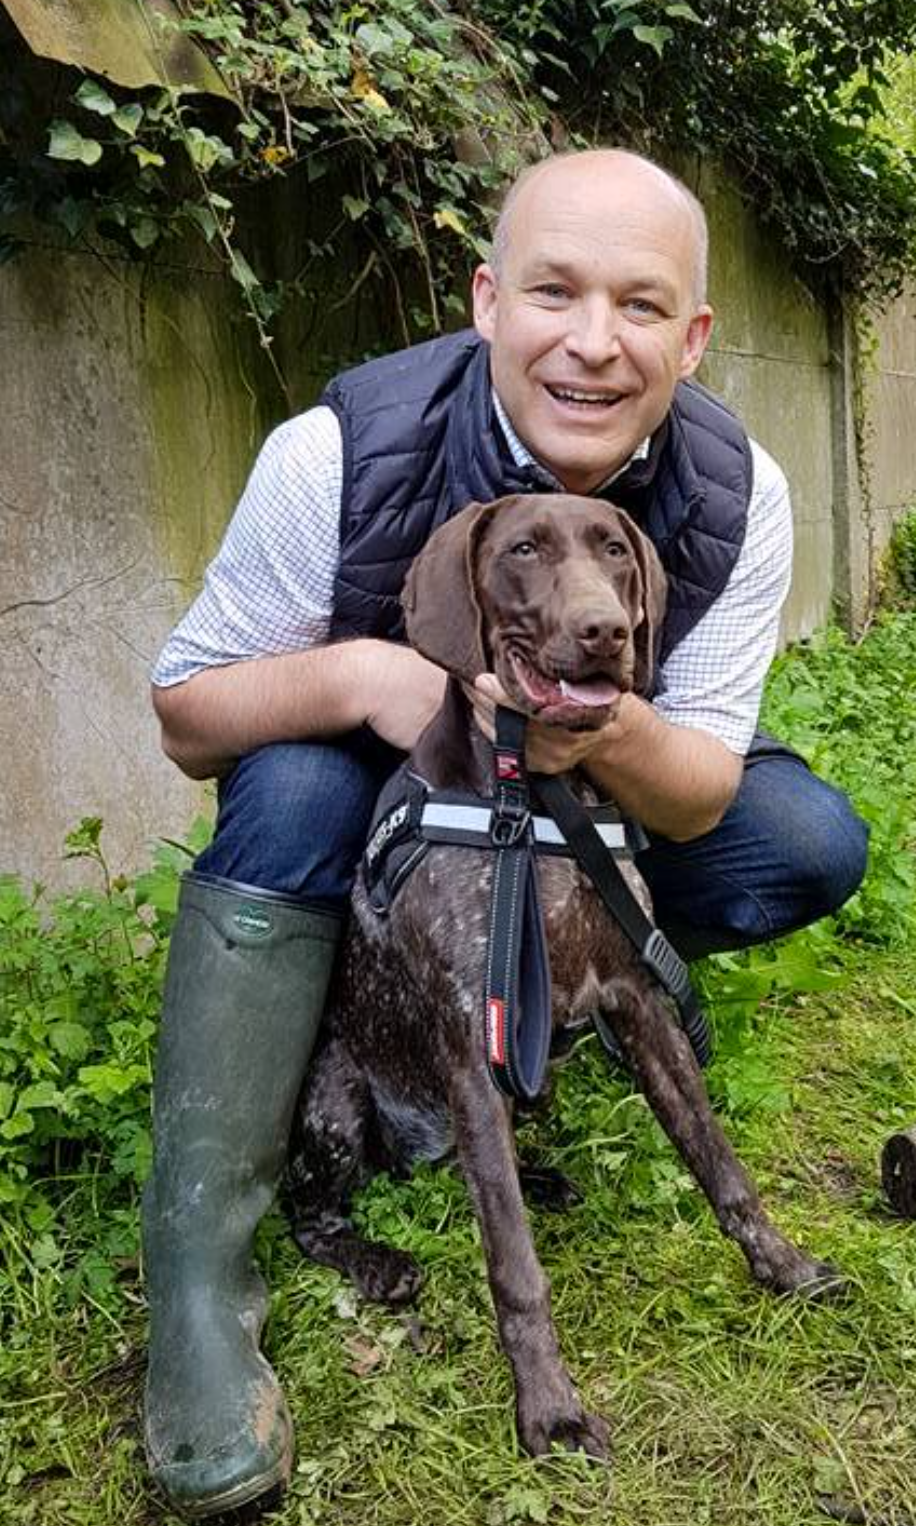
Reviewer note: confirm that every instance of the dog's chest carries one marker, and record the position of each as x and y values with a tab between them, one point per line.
440	928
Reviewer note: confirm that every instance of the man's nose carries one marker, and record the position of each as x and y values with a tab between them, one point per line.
594	333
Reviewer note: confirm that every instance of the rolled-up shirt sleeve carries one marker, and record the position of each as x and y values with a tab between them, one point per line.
714	678
270	587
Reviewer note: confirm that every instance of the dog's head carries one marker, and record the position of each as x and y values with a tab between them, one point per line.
561	597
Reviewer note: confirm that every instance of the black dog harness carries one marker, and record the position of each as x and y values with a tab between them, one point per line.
410	817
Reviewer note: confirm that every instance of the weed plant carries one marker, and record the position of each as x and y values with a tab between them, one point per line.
728	1406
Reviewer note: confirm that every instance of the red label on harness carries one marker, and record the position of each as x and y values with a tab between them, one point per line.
496	1029
507	766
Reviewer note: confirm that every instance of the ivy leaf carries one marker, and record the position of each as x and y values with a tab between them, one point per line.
73	214
93	97
206	150
681	9
364	89
242	271
67	143
355	207
128	119
146	156
208	225
144	231
654	36
447	217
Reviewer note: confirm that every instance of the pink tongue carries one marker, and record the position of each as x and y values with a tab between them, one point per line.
598	691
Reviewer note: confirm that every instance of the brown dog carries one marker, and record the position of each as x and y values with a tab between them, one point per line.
562	598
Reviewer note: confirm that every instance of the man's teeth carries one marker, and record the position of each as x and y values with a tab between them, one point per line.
572	395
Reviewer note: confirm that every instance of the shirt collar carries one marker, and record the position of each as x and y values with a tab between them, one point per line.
522	456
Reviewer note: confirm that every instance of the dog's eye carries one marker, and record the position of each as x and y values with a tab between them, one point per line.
614	548
524	548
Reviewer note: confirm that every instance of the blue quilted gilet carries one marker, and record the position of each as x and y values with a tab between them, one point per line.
421	441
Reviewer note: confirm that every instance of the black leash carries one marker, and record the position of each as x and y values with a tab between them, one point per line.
517	991
662	961
517	988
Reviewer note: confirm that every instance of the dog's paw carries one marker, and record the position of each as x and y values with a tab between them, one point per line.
541	1429
385	1275
548	1188
800	1276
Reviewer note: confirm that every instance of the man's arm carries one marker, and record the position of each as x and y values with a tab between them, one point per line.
676	780
215	717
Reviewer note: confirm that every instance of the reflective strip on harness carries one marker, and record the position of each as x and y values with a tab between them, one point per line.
475	821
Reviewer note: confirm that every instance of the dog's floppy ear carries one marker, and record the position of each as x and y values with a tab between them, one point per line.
653	597
444	621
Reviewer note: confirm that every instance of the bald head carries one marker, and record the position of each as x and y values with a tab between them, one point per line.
616	169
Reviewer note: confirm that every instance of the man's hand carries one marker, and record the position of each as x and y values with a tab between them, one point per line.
676	780
548	749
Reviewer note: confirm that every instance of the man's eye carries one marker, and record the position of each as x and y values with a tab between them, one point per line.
524	548
642	307
552	291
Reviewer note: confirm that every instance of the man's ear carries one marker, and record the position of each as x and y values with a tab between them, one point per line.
485	294
444	619
697	338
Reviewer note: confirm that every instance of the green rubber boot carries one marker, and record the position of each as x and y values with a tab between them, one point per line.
248	971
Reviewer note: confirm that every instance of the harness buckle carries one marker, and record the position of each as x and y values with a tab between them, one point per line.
508	824
665	963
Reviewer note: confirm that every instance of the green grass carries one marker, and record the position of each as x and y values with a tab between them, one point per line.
727	1405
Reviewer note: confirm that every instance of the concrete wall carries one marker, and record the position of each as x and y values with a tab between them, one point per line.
888	433
130	409
770	360
132	405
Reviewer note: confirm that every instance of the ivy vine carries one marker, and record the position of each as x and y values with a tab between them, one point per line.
413	115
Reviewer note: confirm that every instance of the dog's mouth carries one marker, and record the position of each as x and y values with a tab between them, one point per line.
583	701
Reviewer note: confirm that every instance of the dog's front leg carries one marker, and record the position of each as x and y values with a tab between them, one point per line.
548	1408
673	1084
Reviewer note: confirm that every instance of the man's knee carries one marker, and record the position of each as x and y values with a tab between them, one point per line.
293	817
828	850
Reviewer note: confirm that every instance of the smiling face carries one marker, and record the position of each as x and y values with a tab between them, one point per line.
592	317
564	590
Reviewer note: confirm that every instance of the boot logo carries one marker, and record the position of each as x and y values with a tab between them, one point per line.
253	920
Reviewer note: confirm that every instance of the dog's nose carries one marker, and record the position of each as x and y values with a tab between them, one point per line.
598	631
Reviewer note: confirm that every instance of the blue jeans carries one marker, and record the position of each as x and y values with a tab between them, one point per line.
293	818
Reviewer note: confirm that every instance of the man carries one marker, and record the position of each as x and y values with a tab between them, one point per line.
589	319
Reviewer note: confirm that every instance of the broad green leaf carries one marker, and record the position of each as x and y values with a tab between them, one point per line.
42	1094
67	143
355	207
7	1098
128	118
94	97
18	1125
71	1039
681	9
